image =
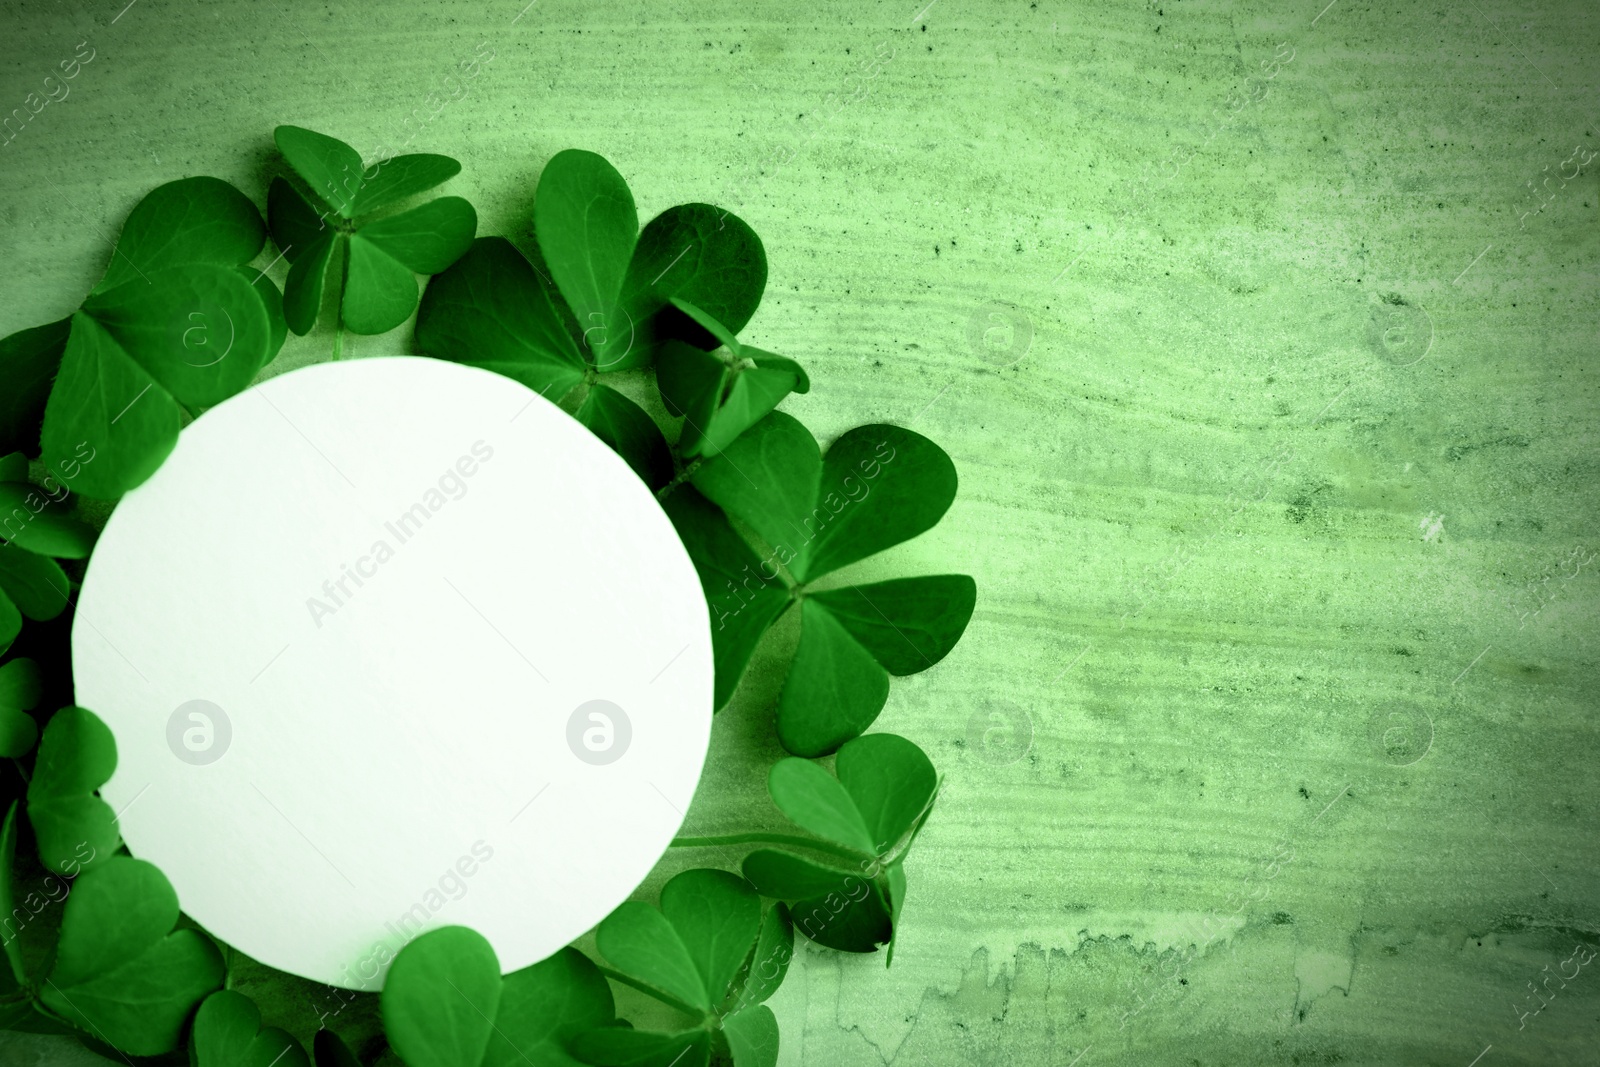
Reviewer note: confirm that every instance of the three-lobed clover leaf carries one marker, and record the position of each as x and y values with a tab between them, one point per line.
176	321
598	296
720	396
617	279
20	688
878	485
121	972
75	829
377	258
445	1004
228	1033
884	789
708	950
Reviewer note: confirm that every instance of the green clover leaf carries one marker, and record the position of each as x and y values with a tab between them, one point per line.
33	519
20	688
121	972
31	585
691	947
445	1004
708	258
708	950
744	601
29	360
774	478
874	808
14	976
77	755
616	279
621	1046
176	320
228	1033
378	258
721	393
493	309
752	1037
877	486
632	434
586	226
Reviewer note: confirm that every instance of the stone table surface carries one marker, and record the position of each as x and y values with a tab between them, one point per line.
1257	333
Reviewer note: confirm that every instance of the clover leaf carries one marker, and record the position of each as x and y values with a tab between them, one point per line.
877	486
704	256
228	1033
31	585
29	360
35	520
31	523
874	808
445	1004
75	829
14	976
586	226
20	688
809	507
616	279
176	320
629	432
121	972
378	258
708	950
494	310
744	600
720	396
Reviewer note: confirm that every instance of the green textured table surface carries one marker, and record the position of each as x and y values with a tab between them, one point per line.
1274	411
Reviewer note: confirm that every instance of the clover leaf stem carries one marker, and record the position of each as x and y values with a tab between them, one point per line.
338	307
666	998
770	839
678	479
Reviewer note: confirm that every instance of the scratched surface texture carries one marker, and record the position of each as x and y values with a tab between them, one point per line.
1262	336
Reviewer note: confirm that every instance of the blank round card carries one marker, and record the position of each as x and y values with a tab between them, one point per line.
393	644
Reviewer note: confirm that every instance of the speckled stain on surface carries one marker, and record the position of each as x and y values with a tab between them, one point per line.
1273	463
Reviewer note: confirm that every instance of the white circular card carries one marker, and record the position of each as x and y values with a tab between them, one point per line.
393	644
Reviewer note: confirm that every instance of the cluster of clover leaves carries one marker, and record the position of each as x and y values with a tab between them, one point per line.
94	941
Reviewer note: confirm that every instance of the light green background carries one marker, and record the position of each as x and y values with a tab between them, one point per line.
1318	388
